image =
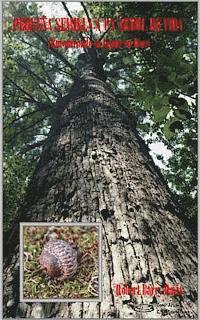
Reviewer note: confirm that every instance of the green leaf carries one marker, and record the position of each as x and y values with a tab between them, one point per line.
177	55
148	103
160	115
126	60
172	76
182	114
150	84
166	130
176	125
164	85
171	126
159	101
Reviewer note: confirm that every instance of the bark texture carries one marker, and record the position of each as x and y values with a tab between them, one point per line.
95	168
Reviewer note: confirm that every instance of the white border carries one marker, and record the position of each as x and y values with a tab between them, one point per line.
67	224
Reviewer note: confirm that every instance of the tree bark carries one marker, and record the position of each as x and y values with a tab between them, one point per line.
95	168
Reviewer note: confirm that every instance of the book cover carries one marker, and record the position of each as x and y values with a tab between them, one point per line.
100	160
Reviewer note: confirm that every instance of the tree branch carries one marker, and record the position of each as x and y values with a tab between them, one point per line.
45	62
105	32
29	94
56	53
66	9
32	73
33	146
50	79
29	44
46	94
69	14
125	96
55	67
184	94
22	90
26	129
21	117
89	19
42	106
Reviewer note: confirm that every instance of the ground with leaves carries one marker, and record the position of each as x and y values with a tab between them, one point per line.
38	286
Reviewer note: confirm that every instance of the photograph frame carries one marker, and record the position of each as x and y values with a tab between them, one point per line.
61	224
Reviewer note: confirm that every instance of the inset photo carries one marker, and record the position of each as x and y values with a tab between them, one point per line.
60	262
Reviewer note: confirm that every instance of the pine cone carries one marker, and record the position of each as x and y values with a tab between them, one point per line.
59	259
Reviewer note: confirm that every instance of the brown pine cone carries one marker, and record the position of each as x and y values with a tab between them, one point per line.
59	259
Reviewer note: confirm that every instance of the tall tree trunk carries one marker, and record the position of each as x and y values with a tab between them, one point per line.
96	168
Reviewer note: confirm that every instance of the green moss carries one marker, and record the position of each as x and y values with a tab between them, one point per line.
37	285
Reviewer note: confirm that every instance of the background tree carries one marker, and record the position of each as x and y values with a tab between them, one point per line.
154	95
160	106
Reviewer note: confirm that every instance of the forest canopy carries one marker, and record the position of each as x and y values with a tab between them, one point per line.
156	85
